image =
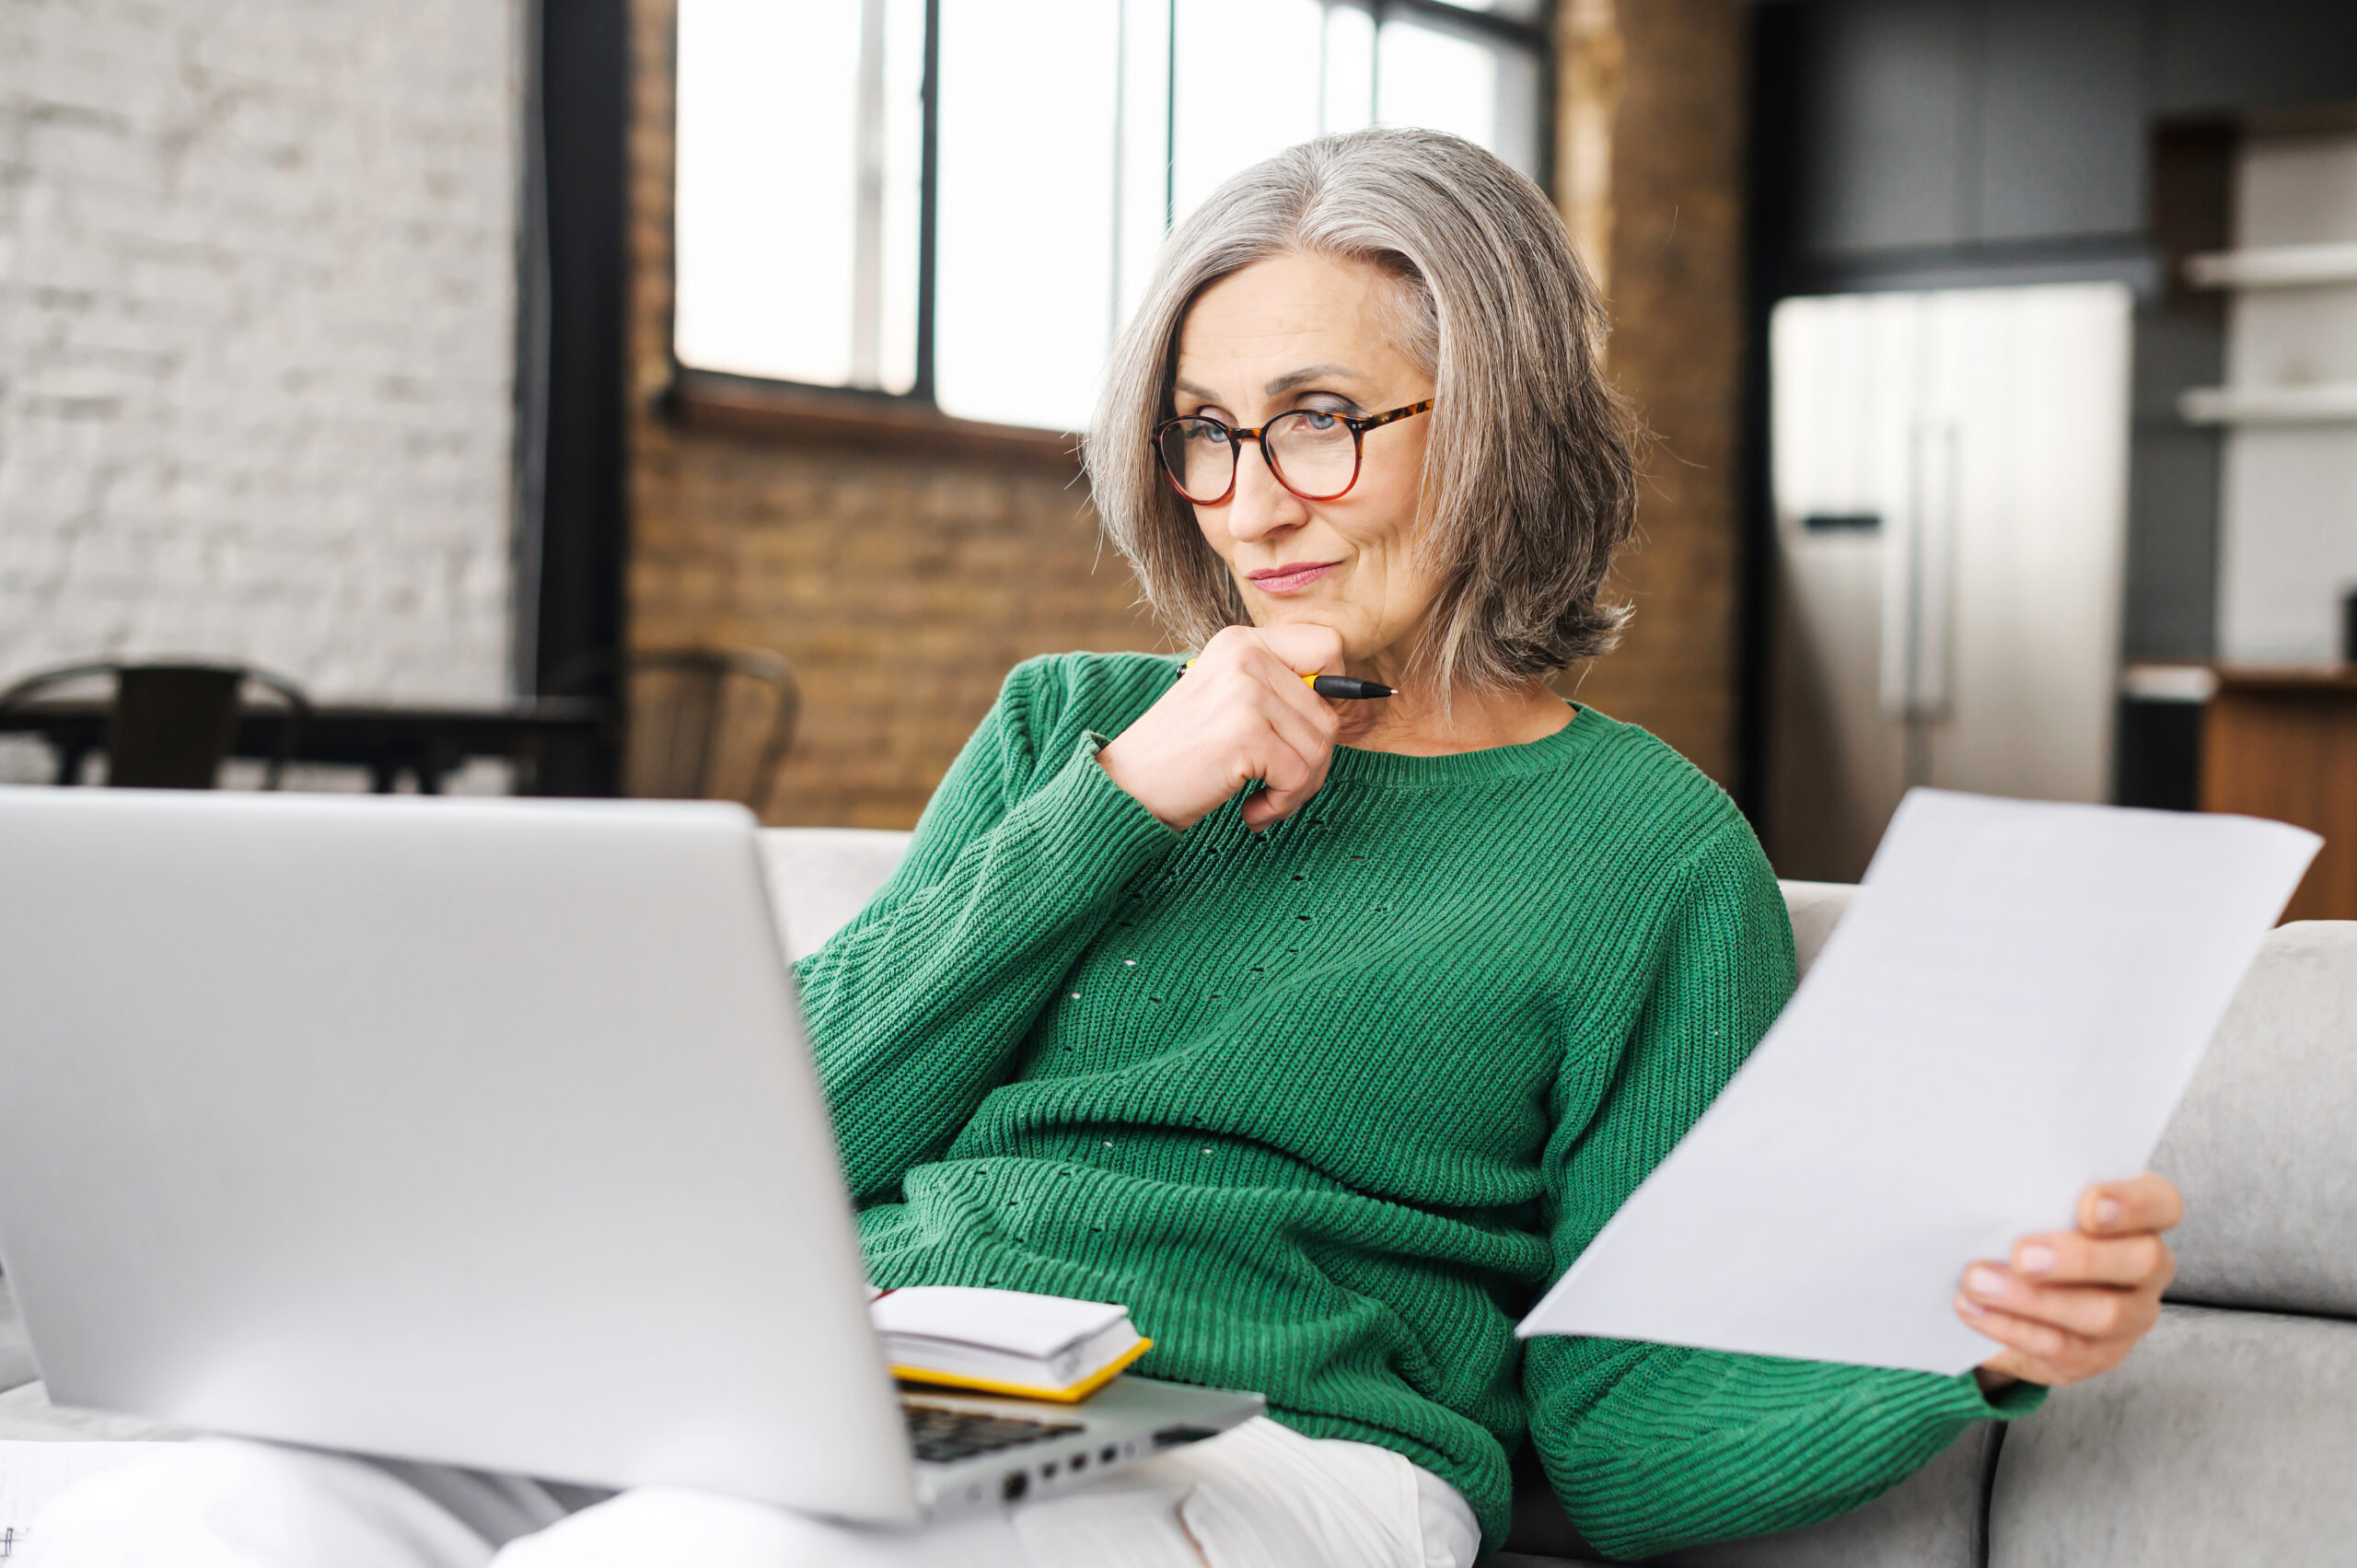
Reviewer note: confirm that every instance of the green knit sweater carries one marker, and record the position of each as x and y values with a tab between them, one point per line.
1326	1108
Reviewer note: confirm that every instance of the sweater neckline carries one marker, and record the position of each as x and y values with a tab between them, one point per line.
1397	769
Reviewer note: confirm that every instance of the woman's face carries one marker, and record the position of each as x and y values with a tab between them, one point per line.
1307	332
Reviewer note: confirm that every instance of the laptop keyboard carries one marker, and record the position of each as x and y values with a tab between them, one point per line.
941	1435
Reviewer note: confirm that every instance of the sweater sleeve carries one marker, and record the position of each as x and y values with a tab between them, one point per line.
917	1007
1652	1446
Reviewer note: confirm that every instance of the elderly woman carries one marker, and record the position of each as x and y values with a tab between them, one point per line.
1324	1034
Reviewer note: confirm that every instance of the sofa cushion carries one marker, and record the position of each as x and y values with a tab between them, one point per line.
1934	1519
1815	909
2225	1437
820	877
2263	1145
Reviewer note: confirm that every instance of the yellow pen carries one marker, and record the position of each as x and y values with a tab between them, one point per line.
1342	688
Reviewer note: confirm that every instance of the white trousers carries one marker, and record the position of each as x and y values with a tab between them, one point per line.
1261	1496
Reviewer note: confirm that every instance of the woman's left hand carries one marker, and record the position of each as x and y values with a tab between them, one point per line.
2069	1305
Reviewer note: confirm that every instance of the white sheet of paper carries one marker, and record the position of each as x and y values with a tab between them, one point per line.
2009	1012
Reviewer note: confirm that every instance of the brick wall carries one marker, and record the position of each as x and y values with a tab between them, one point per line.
257	327
1670	88
903	586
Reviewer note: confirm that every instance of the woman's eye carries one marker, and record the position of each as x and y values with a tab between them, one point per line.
1318	419
1214	433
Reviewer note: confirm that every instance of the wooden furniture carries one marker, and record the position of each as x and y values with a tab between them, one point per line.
168	727
704	723
429	742
2282	743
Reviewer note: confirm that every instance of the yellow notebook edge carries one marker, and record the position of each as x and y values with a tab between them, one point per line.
1071	1396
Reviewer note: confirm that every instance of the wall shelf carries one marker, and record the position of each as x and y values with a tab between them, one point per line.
2329	402
2275	266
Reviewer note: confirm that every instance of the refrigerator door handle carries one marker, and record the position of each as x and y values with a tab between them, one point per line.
1899	547
1934	585
1915	580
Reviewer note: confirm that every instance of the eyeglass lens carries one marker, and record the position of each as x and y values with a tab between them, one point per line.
1312	451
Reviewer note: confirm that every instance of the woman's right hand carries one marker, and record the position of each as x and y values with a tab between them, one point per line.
1242	713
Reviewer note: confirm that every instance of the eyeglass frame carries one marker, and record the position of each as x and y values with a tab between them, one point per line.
1359	425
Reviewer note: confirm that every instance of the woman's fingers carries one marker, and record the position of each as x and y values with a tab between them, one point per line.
2076	1258
2040	1352
1243	714
2100	1312
2072	1303
1303	722
1295	769
1291	773
2150	1203
1305	649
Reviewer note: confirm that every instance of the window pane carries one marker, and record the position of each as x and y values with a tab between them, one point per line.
1144	151
1347	80
903	196
1447	80
1028	153
790	262
1248	81
1518	10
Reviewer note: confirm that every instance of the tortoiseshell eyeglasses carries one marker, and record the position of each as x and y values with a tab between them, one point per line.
1313	452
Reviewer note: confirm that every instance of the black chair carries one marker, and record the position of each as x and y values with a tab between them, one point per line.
170	726
702	724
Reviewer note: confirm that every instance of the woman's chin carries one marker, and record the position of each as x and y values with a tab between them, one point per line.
1335	618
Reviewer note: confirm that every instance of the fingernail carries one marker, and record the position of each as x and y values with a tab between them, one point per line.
2037	1260
1965	1304
1985	1281
2107	1210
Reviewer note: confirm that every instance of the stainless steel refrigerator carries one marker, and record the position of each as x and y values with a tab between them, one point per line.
1950	471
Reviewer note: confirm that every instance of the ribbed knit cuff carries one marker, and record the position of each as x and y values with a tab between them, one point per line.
1945	1406
2013	1401
1098	833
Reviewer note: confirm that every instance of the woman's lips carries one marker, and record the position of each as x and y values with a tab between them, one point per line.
1290	579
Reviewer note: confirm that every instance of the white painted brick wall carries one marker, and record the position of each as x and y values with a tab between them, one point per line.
257	329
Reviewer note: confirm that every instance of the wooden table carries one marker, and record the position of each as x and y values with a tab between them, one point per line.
428	742
2282	743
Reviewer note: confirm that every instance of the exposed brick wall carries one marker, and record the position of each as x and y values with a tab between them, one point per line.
257	326
1674	282
904	586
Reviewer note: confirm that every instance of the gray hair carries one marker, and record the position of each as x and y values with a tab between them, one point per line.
1530	483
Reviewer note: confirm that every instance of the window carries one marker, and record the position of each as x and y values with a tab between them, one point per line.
972	235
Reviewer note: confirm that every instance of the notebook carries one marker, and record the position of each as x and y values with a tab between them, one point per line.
1004	1341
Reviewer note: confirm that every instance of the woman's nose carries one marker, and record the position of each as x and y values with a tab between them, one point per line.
1260	505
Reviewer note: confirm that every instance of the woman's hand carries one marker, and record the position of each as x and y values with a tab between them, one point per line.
1243	712
2069	1305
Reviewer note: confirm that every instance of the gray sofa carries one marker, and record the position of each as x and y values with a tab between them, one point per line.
2229	1437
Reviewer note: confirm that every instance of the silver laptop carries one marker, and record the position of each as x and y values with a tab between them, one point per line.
482	1132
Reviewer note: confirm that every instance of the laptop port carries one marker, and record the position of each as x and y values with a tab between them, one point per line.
1012	1489
1174	1436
